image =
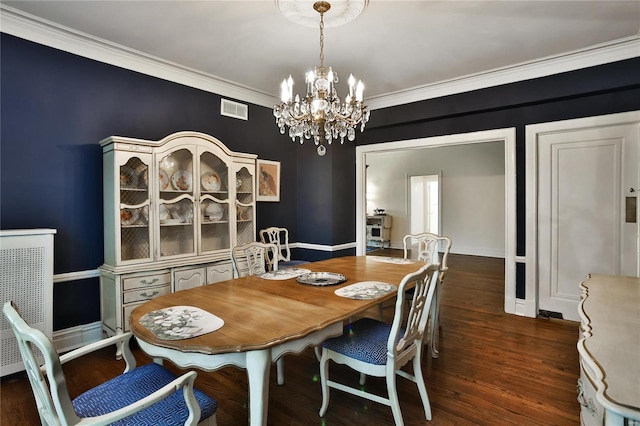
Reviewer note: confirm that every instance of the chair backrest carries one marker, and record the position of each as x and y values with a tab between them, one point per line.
254	258
403	346
279	237
428	248
53	401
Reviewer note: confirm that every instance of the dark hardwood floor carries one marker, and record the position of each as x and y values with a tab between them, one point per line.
493	369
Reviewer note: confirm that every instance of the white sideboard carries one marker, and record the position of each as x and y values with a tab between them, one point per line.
609	350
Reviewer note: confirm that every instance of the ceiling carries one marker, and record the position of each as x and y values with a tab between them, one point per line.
402	50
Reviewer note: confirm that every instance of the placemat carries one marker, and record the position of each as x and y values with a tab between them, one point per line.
284	274
181	322
366	290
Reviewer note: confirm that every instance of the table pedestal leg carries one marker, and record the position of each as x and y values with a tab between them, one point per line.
258	368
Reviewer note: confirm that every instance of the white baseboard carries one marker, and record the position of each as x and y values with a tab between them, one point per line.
75	337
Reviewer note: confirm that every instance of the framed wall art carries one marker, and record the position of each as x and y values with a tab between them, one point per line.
268	180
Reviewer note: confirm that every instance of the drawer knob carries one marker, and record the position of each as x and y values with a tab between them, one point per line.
150	295
145	282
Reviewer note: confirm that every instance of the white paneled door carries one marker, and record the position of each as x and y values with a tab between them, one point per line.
587	178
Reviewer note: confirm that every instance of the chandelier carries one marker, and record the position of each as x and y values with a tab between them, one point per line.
320	113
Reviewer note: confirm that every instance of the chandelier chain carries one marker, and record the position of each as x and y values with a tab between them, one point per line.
321	40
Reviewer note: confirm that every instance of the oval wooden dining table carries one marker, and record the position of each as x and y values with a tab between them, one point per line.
265	319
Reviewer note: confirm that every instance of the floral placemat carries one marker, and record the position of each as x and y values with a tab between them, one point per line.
284	274
181	322
397	260
366	290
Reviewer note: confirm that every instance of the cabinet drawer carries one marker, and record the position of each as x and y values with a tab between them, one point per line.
222	271
141	281
146	293
126	311
591	412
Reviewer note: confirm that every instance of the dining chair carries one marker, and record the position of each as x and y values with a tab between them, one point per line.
429	247
254	258
280	237
379	349
145	395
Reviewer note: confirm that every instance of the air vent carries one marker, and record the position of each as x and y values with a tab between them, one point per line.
234	109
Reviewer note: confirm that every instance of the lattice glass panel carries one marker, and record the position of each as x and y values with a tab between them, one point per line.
244	186
245	232
134	182
134	233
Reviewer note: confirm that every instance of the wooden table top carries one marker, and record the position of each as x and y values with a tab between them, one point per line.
260	313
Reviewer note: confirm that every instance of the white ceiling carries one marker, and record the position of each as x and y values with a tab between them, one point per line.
402	50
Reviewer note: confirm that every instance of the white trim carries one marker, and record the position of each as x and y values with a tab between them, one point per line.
532	136
75	276
508	136
75	337
614	51
38	30
320	247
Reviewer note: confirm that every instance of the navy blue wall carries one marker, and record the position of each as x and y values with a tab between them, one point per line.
55	108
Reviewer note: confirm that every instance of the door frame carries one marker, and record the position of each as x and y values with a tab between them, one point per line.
532	136
408	198
508	137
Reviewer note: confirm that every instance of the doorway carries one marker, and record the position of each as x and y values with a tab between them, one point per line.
507	138
424	204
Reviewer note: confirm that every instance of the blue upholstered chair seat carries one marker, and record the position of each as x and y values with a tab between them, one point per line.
364	340
127	389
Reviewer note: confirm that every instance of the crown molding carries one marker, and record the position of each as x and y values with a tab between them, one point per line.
616	50
32	28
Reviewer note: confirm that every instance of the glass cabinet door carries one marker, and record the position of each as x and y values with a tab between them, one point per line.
134	210
245	231
175	204
214	203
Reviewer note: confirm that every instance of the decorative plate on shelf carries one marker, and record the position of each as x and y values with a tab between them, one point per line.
210	181
164	213
128	177
129	216
163	183
182	212
182	180
213	211
321	278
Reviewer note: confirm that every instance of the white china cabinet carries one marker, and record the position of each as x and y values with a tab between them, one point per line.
173	209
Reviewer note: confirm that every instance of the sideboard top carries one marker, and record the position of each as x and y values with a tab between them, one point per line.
610	312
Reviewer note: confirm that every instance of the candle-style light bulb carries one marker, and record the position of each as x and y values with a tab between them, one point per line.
352	84
283	91
359	91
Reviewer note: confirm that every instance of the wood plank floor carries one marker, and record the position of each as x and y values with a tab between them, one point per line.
493	369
